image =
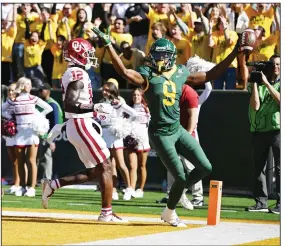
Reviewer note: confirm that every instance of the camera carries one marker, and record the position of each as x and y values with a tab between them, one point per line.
262	66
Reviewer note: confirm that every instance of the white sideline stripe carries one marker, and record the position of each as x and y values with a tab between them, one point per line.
226	233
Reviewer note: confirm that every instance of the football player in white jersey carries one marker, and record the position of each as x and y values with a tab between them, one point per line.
79	108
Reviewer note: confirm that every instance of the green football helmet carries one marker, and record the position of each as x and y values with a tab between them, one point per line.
162	55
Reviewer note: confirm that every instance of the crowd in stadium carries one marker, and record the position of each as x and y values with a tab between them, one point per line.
33	36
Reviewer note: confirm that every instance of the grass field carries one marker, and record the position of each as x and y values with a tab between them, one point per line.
89	200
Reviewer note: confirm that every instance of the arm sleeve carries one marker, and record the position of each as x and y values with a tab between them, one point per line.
127	109
45	106
205	94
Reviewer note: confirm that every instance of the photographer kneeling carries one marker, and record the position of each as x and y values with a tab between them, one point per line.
264	116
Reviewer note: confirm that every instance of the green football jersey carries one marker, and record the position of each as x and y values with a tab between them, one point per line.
163	94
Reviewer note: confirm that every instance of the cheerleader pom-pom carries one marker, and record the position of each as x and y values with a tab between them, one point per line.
197	64
136	132
120	128
40	124
130	142
8	127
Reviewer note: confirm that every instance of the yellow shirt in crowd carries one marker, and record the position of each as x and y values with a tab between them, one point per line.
136	60
263	19
87	27
183	48
221	49
21	26
199	44
52	23
265	49
62	30
119	38
154	17
7	44
33	53
60	65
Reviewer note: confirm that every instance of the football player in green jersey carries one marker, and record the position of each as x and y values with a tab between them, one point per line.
162	81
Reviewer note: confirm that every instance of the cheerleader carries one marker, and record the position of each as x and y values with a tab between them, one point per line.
10	143
115	143
26	140
138	156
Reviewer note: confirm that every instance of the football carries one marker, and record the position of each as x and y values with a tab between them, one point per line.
247	41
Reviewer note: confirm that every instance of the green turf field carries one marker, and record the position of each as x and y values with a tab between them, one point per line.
89	200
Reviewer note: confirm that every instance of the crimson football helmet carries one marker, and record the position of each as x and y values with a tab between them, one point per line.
79	51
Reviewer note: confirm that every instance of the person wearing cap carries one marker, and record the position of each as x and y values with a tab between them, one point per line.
46	150
183	46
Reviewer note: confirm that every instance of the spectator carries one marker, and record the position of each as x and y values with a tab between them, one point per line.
160	13
259	15
66	20
82	25
199	37
33	50
265	47
48	16
158	30
59	65
8	34
138	156
264	115
238	19
119	9
187	15
138	26
131	57
25	17
223	42
46	150
182	45
117	36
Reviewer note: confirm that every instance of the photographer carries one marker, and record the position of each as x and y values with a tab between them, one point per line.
264	115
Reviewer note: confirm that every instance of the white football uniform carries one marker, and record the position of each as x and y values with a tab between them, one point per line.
24	109
142	118
91	147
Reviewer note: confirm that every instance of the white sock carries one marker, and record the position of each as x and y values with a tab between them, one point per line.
106	211
55	184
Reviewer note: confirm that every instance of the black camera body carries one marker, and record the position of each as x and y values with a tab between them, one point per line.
262	66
